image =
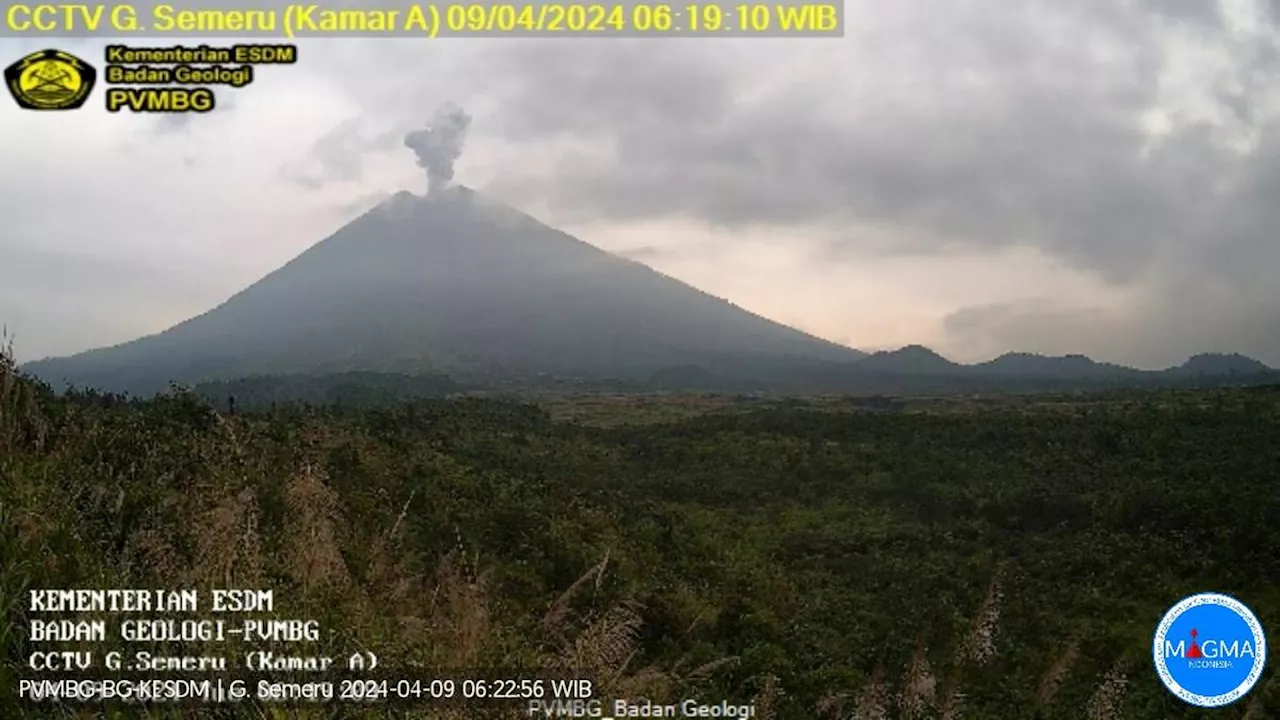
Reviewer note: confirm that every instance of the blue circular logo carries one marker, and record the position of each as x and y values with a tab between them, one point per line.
1209	650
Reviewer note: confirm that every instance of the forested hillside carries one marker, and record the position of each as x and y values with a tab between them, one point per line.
956	560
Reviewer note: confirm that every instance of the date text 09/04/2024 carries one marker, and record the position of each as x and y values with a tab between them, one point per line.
790	17
570	18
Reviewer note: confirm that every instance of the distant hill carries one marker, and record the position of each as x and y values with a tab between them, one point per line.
452	283
916	370
919	360
915	359
1218	364
453	290
1066	366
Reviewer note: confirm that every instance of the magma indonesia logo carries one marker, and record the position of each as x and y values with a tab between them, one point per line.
1209	650
50	80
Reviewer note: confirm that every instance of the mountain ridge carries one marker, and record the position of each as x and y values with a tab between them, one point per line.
455	283
918	359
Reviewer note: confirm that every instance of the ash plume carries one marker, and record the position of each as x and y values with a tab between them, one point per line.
439	144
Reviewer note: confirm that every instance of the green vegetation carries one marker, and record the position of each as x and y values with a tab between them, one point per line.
350	389
927	560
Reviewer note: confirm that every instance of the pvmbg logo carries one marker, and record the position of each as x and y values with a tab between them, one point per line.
50	80
1209	650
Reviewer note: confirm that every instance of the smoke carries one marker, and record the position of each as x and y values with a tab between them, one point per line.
439	145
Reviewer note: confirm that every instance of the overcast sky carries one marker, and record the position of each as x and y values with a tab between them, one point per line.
1093	176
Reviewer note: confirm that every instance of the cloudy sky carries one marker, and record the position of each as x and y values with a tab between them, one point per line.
1094	176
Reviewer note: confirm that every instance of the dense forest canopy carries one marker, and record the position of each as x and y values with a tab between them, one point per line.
1003	559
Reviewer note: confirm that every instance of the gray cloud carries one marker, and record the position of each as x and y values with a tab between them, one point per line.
1002	144
339	155
997	127
641	253
1161	332
439	145
1200	12
997	141
179	122
598	88
937	127
44	298
360	205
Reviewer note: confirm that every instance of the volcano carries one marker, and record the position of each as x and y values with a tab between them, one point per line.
450	283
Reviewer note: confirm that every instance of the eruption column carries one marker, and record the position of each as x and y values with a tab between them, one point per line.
439	144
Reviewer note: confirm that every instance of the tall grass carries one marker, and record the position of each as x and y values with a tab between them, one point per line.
176	495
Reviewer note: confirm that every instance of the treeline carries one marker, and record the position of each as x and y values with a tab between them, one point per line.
349	389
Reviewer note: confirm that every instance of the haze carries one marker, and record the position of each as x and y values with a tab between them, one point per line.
1092	177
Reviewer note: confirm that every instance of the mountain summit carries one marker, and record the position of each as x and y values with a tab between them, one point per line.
450	282
915	359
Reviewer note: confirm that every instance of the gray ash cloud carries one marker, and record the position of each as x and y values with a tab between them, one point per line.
439	145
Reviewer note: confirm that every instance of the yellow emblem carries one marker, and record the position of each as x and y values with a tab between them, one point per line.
50	80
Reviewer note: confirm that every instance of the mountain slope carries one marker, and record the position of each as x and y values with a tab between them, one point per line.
450	283
1218	364
912	359
1028	365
